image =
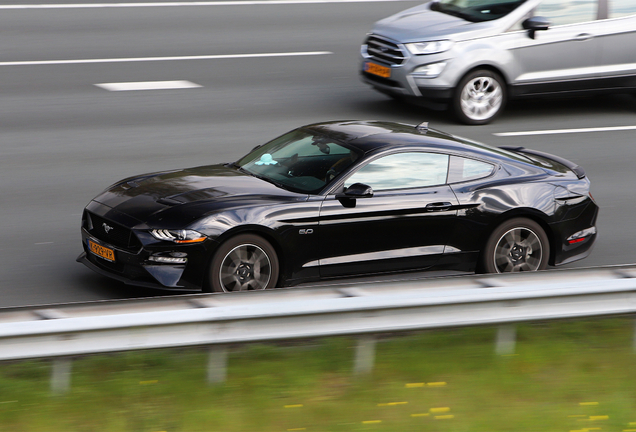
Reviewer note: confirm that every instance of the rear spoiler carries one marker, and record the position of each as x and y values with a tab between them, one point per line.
580	173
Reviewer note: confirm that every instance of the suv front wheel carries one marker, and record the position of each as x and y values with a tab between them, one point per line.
479	97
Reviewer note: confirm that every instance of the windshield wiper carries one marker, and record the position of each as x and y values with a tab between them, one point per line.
238	168
267	179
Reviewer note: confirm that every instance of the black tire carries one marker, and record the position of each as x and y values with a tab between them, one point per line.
480	97
245	262
518	244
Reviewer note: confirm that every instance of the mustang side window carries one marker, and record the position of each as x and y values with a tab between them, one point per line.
462	169
621	8
402	171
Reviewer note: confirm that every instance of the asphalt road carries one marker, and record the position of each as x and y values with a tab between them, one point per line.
63	139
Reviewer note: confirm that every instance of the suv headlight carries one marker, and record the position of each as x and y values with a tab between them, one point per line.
178	236
432	47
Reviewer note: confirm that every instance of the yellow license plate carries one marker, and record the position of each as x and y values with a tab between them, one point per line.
378	70
101	251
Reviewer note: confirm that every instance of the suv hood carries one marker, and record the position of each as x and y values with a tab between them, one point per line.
421	23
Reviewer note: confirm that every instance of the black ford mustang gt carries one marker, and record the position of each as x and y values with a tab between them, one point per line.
338	199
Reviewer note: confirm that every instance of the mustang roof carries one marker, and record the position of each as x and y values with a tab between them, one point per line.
370	136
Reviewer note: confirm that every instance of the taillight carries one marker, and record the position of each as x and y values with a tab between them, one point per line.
578	237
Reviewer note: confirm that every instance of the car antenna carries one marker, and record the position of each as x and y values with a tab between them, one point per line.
422	127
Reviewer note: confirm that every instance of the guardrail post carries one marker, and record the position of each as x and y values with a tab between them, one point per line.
61	375
217	364
634	339
365	355
506	335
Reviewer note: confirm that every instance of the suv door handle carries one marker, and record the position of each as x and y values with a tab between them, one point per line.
438	206
583	37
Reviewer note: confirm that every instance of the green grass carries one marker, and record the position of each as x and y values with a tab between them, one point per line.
566	376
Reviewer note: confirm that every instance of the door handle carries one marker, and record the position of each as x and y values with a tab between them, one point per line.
438	206
583	37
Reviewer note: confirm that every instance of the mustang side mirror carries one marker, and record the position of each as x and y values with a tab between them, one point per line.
535	24
356	190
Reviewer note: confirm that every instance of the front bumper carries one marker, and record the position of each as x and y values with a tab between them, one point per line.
135	268
144	282
131	252
405	83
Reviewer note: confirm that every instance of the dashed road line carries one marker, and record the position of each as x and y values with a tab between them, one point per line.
148	85
566	131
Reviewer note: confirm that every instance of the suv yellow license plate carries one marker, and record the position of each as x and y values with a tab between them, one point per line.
101	251
378	70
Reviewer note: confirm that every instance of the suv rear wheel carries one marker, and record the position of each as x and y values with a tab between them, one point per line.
479	97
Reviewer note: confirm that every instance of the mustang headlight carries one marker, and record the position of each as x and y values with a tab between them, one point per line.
178	236
432	47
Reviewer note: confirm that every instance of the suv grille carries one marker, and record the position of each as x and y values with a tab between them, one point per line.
118	235
384	50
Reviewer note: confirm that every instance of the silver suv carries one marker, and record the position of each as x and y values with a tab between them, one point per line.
475	54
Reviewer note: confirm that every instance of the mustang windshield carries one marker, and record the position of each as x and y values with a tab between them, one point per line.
301	161
476	10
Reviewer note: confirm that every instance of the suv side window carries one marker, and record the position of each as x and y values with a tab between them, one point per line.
403	171
561	12
621	8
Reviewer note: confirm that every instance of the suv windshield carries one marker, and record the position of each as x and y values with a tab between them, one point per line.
476	10
301	161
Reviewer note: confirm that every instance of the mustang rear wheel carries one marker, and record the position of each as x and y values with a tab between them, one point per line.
479	97
246	262
516	245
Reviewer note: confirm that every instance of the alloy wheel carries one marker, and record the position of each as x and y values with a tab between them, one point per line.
247	267
481	98
519	249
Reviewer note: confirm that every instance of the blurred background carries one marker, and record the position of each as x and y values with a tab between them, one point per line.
250	72
64	138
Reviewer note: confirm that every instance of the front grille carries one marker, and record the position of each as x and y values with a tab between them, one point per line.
116	267
384	50
112	233
130	271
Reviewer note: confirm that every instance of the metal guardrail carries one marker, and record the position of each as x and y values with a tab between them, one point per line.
64	331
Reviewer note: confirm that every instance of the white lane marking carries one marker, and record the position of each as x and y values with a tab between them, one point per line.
150	59
566	131
195	3
148	85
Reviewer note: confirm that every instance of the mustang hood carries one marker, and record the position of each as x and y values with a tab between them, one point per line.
421	23
143	197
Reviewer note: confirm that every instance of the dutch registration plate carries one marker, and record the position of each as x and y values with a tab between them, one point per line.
378	70
101	251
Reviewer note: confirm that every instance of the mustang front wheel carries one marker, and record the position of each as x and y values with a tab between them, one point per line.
246	262
516	245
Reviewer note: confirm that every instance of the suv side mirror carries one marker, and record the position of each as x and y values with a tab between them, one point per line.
356	190
535	24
